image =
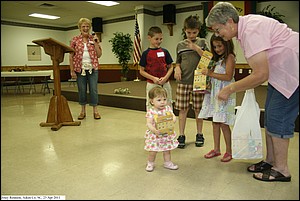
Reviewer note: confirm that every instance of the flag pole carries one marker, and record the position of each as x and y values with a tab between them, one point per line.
137	65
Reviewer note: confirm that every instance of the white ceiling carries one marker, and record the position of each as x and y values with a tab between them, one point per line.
71	11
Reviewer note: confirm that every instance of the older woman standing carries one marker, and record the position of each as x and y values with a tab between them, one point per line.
272	51
84	66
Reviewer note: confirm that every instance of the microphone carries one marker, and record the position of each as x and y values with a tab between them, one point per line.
95	39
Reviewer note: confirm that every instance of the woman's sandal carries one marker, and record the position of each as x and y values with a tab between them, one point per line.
97	115
81	116
212	154
271	172
259	167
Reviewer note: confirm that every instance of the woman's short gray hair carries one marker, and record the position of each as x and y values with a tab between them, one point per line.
220	13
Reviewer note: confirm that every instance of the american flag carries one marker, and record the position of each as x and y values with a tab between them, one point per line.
137	44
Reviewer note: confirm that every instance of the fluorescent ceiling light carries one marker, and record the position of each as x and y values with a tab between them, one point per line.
51	17
105	3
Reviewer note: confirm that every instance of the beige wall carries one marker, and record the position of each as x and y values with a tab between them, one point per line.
14	39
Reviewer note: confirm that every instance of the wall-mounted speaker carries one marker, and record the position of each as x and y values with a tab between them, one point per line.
169	14
97	24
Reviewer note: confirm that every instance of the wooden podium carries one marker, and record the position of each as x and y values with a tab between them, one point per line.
58	113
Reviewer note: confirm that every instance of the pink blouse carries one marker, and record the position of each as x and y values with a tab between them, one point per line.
258	33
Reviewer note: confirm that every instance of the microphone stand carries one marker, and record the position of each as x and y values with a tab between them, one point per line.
137	69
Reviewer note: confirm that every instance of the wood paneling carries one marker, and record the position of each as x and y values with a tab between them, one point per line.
112	72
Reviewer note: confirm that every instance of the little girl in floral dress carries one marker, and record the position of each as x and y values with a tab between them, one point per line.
155	140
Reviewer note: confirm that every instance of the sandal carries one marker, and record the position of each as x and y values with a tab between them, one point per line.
81	116
274	173
227	157
260	166
97	116
212	154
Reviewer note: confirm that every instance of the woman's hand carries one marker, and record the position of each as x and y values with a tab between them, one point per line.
73	75
95	38
224	93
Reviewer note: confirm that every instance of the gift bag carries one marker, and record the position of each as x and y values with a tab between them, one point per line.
246	132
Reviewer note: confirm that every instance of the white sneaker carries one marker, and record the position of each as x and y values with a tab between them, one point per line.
171	166
150	166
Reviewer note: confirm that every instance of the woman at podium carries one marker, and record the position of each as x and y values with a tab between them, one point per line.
84	66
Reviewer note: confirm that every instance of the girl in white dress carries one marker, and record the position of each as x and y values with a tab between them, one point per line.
221	112
155	140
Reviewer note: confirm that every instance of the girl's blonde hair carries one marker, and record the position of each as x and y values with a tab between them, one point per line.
84	20
157	91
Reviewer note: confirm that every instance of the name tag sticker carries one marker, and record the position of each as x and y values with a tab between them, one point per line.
160	54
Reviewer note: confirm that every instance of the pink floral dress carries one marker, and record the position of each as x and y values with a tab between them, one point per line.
163	142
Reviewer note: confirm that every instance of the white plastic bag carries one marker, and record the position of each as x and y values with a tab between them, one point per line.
246	132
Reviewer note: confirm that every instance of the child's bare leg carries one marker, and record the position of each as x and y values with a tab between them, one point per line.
152	156
151	159
199	122
167	156
227	136
182	121
216	134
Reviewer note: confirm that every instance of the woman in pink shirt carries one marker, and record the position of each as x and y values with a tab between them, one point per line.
272	51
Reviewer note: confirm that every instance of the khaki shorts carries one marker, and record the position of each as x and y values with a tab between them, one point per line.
186	96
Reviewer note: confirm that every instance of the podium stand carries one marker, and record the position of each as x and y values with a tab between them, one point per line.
137	72
58	113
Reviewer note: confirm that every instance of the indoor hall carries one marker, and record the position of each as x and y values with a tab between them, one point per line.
105	160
